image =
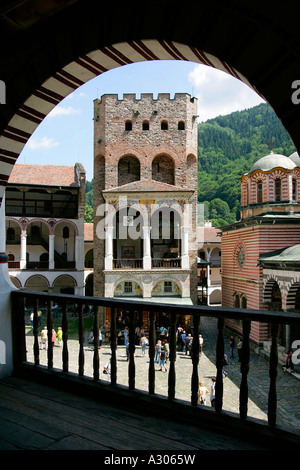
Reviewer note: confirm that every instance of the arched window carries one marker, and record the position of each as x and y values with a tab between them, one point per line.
278	189
294	189
164	125
128	126
146	126
259	192
66	232
236	301
128	170
163	169
181	126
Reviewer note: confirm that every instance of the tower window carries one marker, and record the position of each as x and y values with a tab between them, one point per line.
278	189
146	126
128	126
294	189
181	126
259	192
164	125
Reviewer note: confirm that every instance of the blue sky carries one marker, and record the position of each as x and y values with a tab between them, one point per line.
66	134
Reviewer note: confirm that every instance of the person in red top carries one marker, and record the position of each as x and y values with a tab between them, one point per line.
53	338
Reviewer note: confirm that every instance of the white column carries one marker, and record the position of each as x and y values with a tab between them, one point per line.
79	253
147	248
6	286
108	260
51	251
23	250
185	262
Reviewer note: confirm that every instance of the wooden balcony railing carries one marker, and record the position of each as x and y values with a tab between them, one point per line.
133	263
166	263
132	308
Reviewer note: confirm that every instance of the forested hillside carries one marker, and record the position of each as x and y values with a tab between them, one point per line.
227	148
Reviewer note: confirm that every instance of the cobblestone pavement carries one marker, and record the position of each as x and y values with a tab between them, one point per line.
288	387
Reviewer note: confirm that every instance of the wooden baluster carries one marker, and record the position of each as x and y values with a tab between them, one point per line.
195	361
131	366
245	369
81	340
172	359
49	333
219	365
113	337
65	353
152	353
36	352
96	362
272	402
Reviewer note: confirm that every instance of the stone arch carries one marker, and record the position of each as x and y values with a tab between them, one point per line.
37	282
272	294
292	301
16	282
106	48
64	284
215	297
163	169
129	169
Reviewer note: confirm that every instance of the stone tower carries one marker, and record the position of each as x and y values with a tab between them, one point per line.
145	197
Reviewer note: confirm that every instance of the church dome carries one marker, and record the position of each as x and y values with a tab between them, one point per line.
273	160
295	158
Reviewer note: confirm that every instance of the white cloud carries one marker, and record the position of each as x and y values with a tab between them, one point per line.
42	143
219	93
62	111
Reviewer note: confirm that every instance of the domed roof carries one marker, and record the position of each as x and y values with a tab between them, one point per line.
273	160
295	158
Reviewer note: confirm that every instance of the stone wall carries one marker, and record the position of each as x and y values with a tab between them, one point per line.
144	139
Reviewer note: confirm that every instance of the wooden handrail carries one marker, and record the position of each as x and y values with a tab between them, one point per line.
132	307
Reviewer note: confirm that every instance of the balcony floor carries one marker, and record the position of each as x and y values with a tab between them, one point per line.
35	416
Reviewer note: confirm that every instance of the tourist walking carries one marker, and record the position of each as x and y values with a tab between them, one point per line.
59	335
53	339
212	391
143	343
44	337
232	346
202	393
158	350
200	344
162	360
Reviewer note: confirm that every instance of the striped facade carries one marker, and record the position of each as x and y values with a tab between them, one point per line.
270	196
247	281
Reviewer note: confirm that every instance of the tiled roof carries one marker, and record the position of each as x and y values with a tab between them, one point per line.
48	175
146	186
208	234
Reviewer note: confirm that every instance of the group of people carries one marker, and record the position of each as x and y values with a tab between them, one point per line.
162	354
54	336
203	392
185	341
